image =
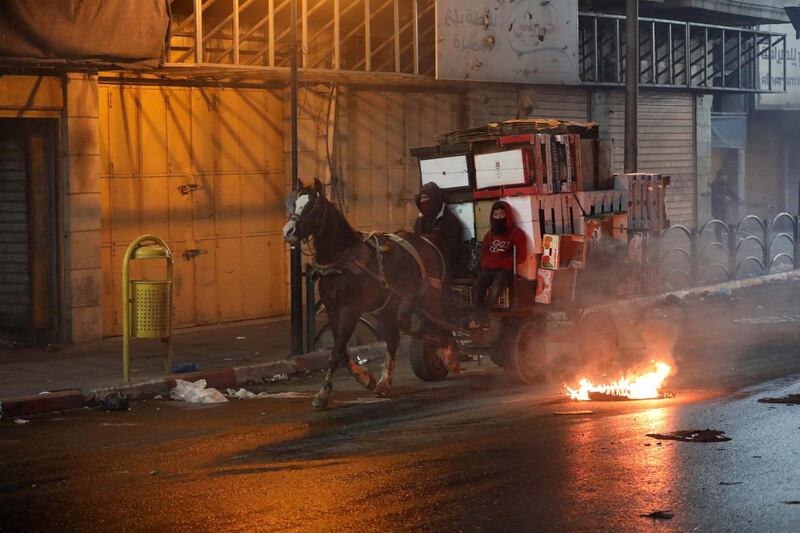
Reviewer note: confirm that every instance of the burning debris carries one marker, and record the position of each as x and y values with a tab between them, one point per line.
641	387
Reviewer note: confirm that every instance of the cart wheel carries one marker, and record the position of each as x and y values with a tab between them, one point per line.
524	361
599	338
425	362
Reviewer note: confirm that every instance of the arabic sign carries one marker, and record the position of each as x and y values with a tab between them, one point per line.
791	98
524	41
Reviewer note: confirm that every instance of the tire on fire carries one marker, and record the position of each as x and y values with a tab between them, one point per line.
425	361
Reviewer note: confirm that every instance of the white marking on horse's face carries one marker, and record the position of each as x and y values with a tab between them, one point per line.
290	228
301	203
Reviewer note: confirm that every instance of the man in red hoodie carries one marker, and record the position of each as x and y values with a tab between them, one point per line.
497	259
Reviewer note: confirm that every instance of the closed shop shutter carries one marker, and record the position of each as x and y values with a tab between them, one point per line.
203	169
666	145
15	282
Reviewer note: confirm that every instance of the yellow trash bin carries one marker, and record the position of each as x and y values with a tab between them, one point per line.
146	304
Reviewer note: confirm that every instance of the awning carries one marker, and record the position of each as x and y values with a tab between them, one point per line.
89	33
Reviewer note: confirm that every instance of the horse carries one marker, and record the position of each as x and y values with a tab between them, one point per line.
360	273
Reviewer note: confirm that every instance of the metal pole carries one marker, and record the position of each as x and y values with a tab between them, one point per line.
296	265
632	87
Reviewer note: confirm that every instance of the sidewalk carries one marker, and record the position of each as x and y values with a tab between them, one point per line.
73	375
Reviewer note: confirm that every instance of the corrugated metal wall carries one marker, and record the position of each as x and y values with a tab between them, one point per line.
497	104
203	169
380	174
666	145
15	279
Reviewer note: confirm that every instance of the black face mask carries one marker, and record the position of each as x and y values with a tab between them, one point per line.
498	226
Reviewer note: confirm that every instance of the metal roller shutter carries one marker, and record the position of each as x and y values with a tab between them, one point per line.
15	282
666	145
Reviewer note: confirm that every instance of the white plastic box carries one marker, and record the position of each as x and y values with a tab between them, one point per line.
446	172
500	169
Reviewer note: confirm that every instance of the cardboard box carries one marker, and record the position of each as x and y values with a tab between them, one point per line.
573	251
550	252
588	179
555	286
605	164
500	169
451	172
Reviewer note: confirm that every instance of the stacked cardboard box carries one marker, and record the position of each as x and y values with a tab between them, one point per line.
557	178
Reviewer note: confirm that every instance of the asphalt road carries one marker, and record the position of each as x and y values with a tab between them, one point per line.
471	453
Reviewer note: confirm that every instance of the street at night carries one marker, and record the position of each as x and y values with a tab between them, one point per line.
472	453
400	266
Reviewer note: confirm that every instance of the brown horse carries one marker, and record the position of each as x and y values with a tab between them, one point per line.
365	273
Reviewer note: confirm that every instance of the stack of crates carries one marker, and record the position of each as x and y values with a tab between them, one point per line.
555	185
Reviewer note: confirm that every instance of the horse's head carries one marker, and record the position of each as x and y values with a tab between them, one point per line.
305	208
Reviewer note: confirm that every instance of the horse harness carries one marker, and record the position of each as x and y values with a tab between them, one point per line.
356	260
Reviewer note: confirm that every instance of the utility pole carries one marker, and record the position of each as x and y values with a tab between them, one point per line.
295	264
632	87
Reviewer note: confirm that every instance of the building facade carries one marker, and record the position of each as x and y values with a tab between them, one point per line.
197	151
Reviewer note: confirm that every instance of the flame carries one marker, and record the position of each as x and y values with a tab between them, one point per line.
634	388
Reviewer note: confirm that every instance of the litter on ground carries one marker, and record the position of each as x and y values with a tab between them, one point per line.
244	394
21	421
196	392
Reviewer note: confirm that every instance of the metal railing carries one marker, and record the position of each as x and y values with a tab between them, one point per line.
683	54
393	36
720	251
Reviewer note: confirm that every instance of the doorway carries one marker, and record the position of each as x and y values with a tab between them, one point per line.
28	251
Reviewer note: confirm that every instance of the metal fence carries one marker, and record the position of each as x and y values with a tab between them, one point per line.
720	251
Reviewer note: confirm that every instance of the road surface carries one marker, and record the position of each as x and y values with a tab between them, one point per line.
471	453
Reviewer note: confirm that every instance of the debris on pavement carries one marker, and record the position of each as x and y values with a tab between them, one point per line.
792	502
183	368
21	421
196	392
573	412
158	397
692	435
240	338
113	402
278	377
244	394
290	394
791	399
659	515
729	483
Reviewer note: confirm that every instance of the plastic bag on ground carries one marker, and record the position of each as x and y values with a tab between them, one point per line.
196	392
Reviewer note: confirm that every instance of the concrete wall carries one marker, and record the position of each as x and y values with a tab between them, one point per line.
81	163
73	102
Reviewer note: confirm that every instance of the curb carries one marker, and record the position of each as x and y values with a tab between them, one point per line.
667	297
219	378
41	403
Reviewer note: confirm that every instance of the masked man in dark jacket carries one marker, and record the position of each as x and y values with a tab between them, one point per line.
435	219
497	260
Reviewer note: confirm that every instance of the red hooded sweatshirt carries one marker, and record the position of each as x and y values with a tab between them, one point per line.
497	250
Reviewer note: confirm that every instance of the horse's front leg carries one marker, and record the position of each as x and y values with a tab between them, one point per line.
343	323
391	334
320	401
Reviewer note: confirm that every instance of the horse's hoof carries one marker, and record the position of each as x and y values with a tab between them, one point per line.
319	403
383	388
362	375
